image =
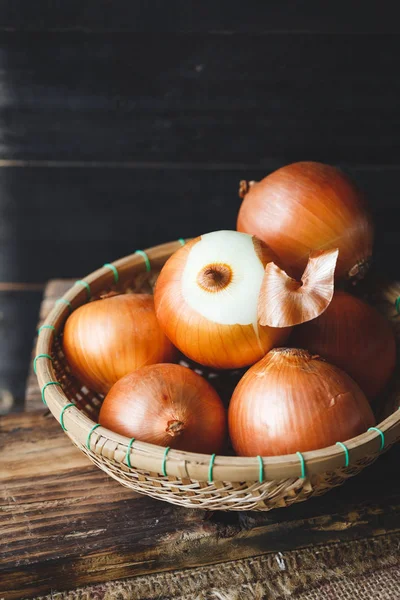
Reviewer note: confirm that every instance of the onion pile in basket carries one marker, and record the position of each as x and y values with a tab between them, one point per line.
267	299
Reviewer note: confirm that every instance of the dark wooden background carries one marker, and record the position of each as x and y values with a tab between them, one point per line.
127	124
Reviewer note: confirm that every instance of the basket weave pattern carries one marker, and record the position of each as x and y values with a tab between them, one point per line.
237	483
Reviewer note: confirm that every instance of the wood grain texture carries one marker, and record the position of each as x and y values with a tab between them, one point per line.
224	16
200	98
65	524
57	222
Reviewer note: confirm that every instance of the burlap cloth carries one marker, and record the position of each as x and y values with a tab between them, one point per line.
367	569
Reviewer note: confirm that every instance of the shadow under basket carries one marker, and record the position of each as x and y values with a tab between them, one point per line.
185	478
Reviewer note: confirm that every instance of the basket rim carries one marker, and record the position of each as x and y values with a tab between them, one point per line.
89	435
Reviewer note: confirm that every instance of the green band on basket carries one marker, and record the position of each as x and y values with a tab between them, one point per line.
381	434
47	385
40	356
261	470
210	468
146	259
114	270
397	304
303	464
182	241
62	414
46	327
64	301
346	453
164	461
86	285
89	435
128	453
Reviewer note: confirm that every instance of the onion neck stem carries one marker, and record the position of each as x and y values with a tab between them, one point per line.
359	270
175	428
244	187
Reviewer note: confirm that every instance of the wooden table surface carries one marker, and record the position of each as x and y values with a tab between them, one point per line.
65	523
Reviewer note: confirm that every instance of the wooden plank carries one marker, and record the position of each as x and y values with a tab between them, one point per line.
241	99
12	286
18	317
65	524
57	222
224	16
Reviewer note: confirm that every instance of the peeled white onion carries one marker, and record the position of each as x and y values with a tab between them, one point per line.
206	300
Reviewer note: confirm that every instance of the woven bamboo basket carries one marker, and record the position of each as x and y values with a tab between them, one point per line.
185	478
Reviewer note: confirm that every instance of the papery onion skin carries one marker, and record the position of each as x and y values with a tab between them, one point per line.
292	402
355	337
148	403
284	302
108	338
308	206
219	338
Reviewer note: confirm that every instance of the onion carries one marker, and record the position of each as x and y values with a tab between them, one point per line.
309	206
168	405
108	338
291	402
206	300
355	337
